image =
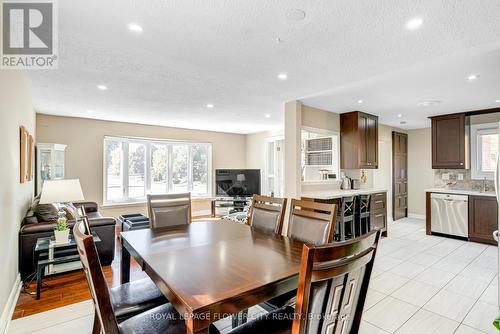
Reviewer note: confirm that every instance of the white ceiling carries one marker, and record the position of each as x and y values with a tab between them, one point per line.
399	93
225	52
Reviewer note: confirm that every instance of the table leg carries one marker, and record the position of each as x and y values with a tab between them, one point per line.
125	264
39	271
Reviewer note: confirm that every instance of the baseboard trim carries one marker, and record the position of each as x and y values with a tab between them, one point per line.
416	216
9	307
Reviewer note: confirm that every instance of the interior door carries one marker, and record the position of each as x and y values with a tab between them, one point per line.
399	175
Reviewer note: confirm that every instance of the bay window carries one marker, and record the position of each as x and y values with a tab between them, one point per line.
135	167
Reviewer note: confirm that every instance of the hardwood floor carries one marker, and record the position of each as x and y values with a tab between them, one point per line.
68	288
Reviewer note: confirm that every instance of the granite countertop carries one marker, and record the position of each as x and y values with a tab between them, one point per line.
339	193
460	192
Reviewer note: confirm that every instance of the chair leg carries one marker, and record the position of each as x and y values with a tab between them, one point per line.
97	325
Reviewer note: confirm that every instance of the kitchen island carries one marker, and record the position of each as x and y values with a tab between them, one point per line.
378	202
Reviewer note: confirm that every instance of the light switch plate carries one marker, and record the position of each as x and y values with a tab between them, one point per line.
445	176
460	177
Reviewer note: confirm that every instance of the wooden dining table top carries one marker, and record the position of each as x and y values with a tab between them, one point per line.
216	266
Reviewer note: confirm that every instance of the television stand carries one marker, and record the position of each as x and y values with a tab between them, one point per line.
222	206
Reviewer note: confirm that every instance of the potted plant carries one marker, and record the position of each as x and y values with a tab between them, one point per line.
61	231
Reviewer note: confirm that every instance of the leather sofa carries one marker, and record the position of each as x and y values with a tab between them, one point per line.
32	229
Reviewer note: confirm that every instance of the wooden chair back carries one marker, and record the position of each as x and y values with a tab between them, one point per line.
169	209
267	213
95	279
333	283
312	222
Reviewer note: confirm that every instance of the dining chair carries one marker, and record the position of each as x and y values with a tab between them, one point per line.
311	222
129	308
169	209
332	288
267	214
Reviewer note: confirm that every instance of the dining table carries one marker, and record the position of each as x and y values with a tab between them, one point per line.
213	269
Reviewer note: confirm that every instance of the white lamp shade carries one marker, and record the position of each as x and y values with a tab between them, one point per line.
61	191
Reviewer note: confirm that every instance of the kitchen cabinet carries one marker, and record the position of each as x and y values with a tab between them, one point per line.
358	141
450	141
378	212
483	213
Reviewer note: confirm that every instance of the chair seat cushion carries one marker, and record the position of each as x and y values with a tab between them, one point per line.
278	321
280	301
135	297
163	319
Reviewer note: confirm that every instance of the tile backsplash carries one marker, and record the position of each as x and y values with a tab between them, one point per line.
454	183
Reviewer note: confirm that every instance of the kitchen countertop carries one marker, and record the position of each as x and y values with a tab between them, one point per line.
460	192
339	193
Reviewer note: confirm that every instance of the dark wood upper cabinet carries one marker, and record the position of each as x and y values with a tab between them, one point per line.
450	141
483	218
358	141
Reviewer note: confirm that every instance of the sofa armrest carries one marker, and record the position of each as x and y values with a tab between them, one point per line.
30	220
88	206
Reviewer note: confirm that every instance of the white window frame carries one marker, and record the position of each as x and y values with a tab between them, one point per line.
276	176
147	181
335	157
476	151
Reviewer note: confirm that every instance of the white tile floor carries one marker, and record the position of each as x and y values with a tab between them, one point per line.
441	286
420	284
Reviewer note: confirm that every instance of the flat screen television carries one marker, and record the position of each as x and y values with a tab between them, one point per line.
237	182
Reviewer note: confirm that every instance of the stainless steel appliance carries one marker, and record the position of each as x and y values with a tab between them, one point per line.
450	214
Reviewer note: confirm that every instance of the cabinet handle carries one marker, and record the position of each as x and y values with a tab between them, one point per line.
379	215
379	194
379	202
461	164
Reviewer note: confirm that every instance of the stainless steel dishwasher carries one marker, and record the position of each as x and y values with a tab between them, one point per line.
450	214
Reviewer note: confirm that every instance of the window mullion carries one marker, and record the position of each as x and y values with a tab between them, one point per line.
190	168
125	170
147	173
169	168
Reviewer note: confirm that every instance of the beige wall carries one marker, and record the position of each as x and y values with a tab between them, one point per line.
292	130
320	119
15	110
84	154
420	172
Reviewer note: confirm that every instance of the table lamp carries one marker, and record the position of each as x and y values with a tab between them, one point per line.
62	193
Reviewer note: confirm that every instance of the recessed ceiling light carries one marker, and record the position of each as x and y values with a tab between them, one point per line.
429	103
90	111
497	101
400	115
210	105
296	14
134	27
282	76
102	87
267	116
414	23
360	101
473	77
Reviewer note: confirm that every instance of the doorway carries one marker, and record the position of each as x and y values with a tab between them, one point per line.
273	185
399	175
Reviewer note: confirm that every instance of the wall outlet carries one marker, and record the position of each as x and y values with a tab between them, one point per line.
445	176
460	177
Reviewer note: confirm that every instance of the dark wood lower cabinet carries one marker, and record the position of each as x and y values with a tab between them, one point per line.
483	218
378	212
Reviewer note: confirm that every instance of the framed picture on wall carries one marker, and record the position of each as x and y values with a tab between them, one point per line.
23	153
31	141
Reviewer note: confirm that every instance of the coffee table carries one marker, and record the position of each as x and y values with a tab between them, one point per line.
48	255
